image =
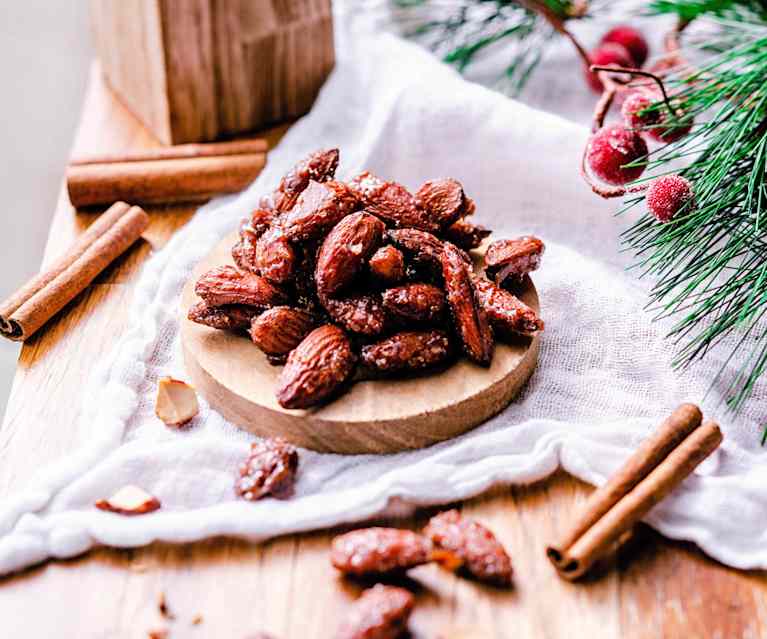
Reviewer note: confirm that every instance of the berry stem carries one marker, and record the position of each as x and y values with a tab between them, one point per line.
639	72
559	24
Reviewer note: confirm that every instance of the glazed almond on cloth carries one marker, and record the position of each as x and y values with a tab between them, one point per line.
604	377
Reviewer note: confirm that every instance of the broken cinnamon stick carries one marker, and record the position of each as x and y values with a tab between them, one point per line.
183	173
47	293
657	467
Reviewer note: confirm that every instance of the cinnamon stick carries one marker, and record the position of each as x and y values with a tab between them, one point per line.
183	173
47	293
657	467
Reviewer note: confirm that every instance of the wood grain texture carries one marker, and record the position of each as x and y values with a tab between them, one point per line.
196	70
381	416
653	588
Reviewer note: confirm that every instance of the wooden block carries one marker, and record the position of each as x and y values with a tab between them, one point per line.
197	70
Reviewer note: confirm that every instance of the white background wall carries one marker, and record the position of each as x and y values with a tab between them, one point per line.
44	55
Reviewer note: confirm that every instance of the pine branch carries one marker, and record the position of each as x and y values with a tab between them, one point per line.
462	31
710	262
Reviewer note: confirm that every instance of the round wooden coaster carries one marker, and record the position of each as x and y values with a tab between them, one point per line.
381	416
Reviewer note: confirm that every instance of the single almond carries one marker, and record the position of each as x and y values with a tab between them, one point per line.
129	500
176	402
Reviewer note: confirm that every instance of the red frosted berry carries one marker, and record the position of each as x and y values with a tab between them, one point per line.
668	195
634	104
631	39
658	123
606	55
671	129
611	148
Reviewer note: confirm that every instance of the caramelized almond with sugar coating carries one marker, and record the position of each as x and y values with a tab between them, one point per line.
275	256
379	551
270	469
407	351
345	250
232	317
319	166
478	552
466	235
391	202
318	209
508	261
382	612
415	303
387	265
225	285
316	368
361	314
507	313
280	329
443	200
469	318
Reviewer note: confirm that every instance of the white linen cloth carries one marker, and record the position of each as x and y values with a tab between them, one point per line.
603	381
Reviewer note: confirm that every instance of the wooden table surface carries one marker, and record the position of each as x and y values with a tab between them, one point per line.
653	588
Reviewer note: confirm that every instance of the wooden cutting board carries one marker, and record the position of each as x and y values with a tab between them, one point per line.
381	416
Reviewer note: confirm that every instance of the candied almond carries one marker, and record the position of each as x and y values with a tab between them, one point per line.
478	551
506	312
470	319
382	612
318	209
391	202
510	260
361	314
280	329
270	469
423	303
225	285
407	351
345	250
316	368
319	166
379	551
231	317
443	199
466	235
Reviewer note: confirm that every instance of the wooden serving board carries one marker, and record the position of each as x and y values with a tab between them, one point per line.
381	416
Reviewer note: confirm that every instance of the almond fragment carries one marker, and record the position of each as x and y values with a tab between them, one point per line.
508	261
176	402
129	500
